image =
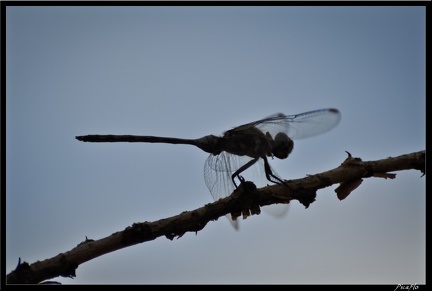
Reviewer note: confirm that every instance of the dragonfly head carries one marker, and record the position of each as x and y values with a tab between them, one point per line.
283	145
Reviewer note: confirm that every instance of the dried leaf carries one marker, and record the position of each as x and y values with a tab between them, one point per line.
345	188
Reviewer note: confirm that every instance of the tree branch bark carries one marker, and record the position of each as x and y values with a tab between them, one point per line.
246	200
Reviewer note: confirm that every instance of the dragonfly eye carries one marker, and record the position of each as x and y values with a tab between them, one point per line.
283	146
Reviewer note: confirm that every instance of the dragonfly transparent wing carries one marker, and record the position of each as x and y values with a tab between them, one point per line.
301	125
217	175
218	170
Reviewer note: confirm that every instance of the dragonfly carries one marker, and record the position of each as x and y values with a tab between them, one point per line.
244	147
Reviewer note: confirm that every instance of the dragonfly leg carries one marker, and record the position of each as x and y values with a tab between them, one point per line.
241	169
241	179
269	174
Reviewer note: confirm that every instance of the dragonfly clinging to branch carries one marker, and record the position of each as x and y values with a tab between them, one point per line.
244	146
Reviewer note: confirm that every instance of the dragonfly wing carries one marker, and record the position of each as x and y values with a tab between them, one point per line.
218	170
273	124
217	174
301	125
312	123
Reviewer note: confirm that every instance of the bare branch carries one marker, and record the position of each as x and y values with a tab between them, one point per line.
245	200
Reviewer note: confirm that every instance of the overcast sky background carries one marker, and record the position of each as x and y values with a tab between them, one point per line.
192	71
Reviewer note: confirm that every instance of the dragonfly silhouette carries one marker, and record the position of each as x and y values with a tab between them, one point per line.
244	146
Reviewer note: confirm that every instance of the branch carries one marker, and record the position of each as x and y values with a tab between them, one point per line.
246	201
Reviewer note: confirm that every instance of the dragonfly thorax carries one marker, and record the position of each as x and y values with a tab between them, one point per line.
248	141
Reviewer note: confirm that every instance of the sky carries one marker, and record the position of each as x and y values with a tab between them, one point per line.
192	71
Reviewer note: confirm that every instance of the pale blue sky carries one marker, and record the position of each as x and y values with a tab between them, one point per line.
192	71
